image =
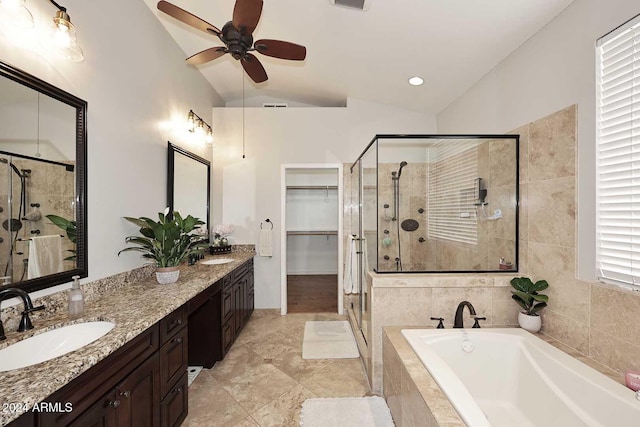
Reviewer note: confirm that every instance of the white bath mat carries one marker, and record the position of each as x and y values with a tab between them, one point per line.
346	412
192	373
329	340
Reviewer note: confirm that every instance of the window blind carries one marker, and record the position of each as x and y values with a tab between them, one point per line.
618	155
451	212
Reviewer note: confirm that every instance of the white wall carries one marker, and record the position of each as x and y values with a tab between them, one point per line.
136	84
250	187
552	70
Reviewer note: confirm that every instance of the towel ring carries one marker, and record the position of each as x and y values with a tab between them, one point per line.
267	221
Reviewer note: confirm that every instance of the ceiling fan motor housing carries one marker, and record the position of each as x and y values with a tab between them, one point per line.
237	42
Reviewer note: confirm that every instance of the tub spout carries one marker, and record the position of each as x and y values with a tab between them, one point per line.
458	323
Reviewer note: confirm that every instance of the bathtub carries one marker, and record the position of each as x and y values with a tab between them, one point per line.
511	378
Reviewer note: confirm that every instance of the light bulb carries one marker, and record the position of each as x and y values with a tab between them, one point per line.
63	38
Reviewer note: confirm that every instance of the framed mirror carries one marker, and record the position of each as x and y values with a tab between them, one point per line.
188	184
43	175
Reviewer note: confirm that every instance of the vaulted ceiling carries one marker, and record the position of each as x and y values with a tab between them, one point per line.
368	54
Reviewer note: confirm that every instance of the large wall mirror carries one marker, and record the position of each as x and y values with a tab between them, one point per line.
43	174
188	184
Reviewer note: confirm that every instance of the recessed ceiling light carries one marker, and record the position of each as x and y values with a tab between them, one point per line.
415	81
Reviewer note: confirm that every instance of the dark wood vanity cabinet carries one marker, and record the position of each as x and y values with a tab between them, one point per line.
144	383
218	314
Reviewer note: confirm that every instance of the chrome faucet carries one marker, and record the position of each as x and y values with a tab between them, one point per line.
25	322
458	323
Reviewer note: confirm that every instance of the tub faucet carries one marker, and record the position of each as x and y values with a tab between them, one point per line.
25	322
457	323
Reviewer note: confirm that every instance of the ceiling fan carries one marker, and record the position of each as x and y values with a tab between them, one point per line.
237	35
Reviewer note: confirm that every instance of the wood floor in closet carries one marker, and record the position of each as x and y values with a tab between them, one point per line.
312	293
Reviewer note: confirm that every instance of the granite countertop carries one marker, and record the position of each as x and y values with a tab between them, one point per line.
133	309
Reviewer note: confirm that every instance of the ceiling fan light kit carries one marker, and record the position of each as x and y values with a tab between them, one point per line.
237	37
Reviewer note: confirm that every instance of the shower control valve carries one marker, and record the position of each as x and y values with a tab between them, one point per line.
440	320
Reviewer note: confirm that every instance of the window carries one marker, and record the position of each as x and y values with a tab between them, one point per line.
453	169
618	155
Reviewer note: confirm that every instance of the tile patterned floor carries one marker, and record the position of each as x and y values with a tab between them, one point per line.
264	380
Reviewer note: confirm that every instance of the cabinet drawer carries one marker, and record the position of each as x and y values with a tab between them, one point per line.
172	323
227	336
238	272
227	281
175	406
173	360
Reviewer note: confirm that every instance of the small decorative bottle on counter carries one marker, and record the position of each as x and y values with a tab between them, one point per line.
76	299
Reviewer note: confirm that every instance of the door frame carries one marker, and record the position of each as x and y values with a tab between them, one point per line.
283	228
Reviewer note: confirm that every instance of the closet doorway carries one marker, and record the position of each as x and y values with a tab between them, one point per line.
312	238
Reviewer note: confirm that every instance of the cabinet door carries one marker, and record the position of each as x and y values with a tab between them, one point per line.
227	304
248	296
238	303
139	396
103	413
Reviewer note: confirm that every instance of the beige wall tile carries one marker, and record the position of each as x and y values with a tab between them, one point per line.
523	258
502	155
565	330
552	211
415	412
552	146
567	295
613	352
615	312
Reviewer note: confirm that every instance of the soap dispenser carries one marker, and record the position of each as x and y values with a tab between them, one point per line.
76	299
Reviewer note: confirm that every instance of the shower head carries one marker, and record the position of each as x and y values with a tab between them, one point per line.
402	164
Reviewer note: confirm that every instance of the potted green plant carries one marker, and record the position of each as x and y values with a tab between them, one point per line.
525	293
166	242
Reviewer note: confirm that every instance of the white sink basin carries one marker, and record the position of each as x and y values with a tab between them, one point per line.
217	261
48	345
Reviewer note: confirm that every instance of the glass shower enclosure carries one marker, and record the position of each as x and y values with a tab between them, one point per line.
435	204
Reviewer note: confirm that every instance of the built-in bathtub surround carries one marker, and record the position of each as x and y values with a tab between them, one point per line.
412	299
414	397
133	306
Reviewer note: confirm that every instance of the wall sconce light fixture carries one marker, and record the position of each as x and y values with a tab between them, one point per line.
63	36
199	127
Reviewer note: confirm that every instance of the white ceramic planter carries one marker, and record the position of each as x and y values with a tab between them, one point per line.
529	323
167	275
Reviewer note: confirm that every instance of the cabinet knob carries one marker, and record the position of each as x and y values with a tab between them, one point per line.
125	393
177	390
179	321
177	340
113	403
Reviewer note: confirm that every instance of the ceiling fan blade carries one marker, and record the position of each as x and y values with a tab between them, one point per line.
281	49
206	55
187	17
254	68
246	13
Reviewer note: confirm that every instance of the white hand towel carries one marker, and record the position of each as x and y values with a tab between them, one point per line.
265	246
350	279
45	256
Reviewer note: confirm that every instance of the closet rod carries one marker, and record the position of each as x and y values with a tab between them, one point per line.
312	233
312	187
